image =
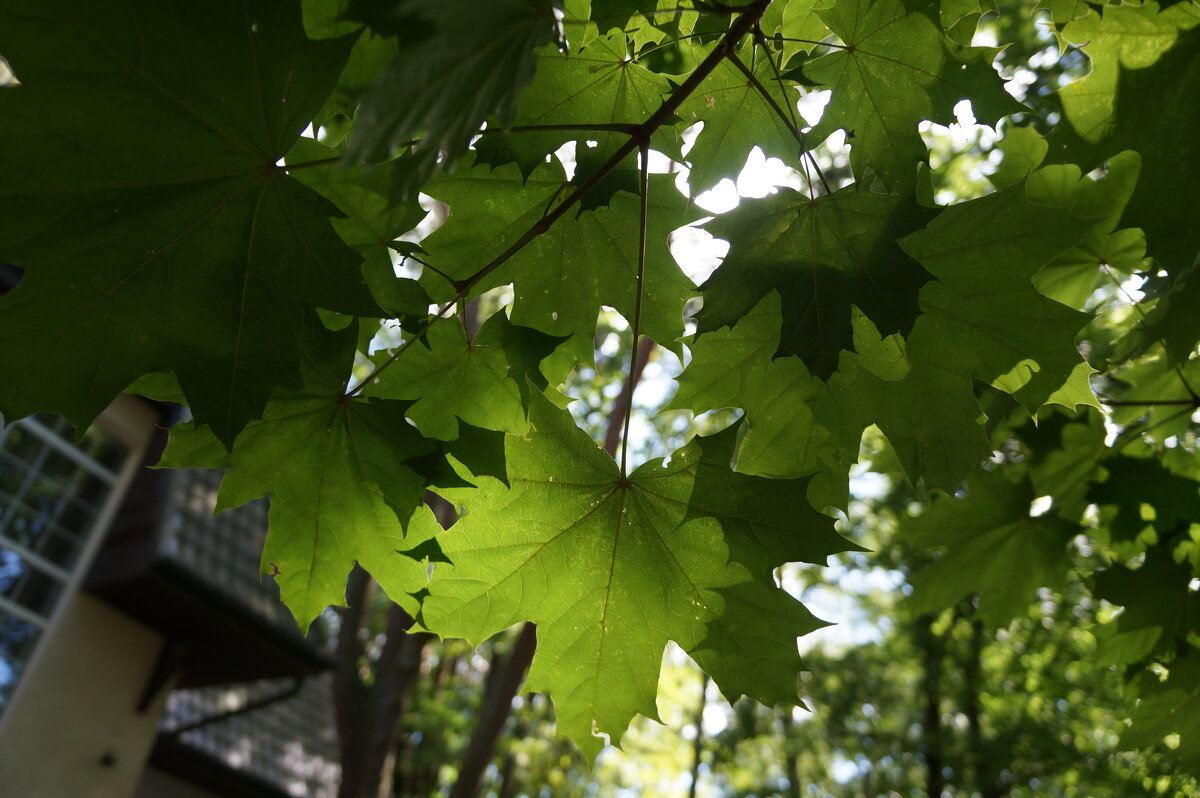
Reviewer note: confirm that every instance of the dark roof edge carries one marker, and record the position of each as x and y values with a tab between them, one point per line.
201	768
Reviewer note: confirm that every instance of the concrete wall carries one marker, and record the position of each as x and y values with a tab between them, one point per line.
72	729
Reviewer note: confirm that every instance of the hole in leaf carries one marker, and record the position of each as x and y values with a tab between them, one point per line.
7	78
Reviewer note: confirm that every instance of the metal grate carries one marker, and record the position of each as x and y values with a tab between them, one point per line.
291	744
225	548
52	493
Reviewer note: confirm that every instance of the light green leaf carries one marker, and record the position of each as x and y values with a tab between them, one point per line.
823	256
895	70
483	382
341	478
610	568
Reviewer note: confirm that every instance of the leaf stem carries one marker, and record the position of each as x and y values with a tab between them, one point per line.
292	167
783	117
666	111
812	41
643	214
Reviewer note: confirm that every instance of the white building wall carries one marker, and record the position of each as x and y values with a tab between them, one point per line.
73	730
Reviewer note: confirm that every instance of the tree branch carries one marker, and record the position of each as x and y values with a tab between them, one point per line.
1150	402
497	704
665	113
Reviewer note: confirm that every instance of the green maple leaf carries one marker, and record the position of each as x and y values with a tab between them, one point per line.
798	25
612	567
483	382
983	309
1155	596
206	265
1139	96
597	83
736	119
993	547
736	367
822	256
982	319
372	53
1072	277
585	261
459	62
1134	482
895	70
795	424
371	223
1170	706
344	478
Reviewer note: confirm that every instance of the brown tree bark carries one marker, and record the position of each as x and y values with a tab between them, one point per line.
502	685
931	651
367	714
616	419
698	742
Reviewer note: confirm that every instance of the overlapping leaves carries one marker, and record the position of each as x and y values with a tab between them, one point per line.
144	196
612	567
206	265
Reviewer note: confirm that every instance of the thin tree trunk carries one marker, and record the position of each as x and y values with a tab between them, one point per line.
348	690
398	665
698	741
931	716
985	778
793	761
616	419
368	715
497	703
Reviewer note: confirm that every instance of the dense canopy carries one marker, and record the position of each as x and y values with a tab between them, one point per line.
367	244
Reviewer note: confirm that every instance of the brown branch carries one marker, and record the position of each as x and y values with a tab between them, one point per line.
931	714
698	740
349	692
1150	402
665	113
621	407
506	679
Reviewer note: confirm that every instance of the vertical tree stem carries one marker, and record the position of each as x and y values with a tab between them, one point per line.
497	703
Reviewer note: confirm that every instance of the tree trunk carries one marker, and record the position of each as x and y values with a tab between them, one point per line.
367	715
931	716
501	688
349	700
698	742
616	419
793	761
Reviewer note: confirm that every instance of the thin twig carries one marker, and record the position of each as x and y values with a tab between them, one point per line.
666	111
811	41
1149	402
643	214
600	127
429	266
293	167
